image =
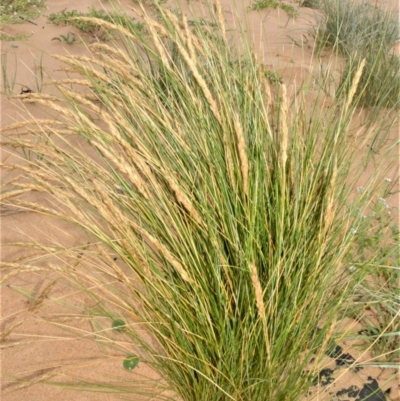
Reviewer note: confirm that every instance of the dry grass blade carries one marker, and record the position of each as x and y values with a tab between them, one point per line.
23	124
39	379
220	18
129	170
5	333
183	200
244	163
191	63
283	115
260	305
43	295
107	25
165	253
331	197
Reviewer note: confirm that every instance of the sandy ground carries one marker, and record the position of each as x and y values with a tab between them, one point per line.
46	352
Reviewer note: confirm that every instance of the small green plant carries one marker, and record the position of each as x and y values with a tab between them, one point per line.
4	37
92	27
262	4
69	39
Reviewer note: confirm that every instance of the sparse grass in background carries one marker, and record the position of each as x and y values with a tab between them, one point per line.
380	83
377	299
258	5
226	226
18	11
9	76
378	305
11	38
360	30
354	26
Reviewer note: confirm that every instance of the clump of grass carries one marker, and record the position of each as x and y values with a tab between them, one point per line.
227	209
18	11
380	83
360	30
352	27
258	5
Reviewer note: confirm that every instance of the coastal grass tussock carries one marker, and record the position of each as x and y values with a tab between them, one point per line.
217	211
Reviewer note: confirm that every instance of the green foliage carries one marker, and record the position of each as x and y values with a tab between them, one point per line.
18	11
262	4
